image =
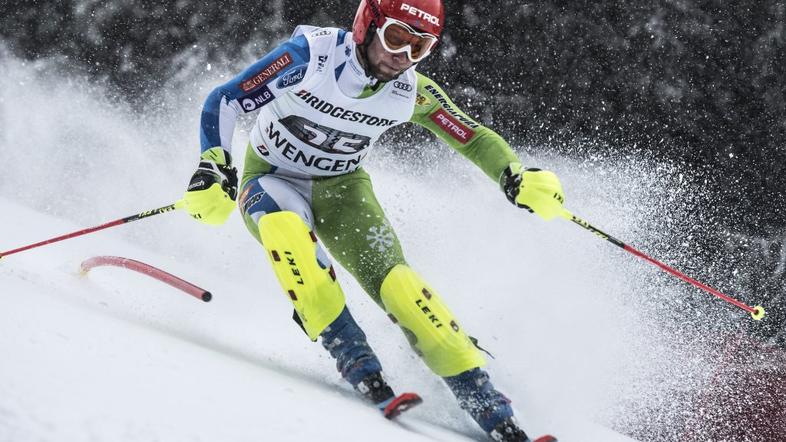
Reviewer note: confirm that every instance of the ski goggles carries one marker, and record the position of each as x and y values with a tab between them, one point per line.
397	36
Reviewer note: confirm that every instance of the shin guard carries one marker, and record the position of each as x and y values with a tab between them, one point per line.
431	328
310	284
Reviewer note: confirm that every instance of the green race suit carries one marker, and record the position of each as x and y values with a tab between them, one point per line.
348	217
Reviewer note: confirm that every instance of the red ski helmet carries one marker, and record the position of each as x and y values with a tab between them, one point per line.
423	15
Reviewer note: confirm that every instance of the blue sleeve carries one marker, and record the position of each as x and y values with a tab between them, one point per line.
253	88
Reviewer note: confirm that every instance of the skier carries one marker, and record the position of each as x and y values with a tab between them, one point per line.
324	97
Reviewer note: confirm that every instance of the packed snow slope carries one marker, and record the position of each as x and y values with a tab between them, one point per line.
116	356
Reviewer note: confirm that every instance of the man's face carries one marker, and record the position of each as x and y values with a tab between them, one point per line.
385	65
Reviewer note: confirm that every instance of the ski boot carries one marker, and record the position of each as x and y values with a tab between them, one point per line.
487	406
508	430
358	364
374	388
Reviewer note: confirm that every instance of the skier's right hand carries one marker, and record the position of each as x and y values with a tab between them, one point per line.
211	194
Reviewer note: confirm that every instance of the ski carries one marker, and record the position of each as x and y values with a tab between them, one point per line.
400	404
546	438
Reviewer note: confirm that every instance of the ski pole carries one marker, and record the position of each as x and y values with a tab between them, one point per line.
756	312
128	219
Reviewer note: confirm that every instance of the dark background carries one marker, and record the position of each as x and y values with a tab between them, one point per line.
699	83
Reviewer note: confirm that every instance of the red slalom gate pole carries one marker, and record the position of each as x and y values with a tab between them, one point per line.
128	219
145	269
756	312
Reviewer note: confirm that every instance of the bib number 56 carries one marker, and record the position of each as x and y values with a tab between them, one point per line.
325	138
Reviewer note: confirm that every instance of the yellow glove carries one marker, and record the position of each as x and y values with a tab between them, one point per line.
538	191
211	194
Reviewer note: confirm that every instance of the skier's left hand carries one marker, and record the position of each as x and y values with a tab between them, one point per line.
538	191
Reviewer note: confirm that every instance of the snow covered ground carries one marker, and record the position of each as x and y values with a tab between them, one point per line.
115	356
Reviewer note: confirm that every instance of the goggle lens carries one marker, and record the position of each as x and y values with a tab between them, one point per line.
398	37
